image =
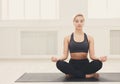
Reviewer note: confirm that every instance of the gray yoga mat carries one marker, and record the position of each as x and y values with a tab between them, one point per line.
60	77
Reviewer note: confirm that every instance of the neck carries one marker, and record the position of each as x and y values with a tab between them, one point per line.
80	32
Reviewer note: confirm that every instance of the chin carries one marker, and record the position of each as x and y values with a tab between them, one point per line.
79	28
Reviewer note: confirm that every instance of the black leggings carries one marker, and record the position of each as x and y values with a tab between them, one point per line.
79	68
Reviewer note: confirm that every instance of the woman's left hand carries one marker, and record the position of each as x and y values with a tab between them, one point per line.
103	58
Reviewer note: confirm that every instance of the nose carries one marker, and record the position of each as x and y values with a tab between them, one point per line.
79	23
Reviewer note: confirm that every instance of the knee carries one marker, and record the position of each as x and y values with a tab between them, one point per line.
99	64
59	64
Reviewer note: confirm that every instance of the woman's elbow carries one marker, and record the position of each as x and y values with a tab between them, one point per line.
65	58
92	57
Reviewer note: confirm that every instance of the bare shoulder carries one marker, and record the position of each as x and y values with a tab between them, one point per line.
67	38
90	38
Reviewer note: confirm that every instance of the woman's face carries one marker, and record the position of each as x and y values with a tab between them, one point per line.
78	22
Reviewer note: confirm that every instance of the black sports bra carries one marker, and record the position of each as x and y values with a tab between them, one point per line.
78	46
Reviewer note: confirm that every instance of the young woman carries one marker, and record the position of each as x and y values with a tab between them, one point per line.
79	43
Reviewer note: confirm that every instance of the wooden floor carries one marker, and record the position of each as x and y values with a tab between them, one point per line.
10	70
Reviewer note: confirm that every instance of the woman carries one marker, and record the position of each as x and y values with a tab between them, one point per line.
79	43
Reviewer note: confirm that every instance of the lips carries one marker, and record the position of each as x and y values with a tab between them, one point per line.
79	25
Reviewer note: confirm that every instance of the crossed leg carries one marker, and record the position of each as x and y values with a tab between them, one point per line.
69	69
92	68
88	72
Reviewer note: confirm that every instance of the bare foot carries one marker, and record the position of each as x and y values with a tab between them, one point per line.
94	75
68	76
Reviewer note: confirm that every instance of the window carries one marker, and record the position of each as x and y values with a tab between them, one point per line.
38	42
115	42
103	9
29	9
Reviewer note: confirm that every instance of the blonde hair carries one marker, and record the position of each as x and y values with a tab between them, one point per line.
77	16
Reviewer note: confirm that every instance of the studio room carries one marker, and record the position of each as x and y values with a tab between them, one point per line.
59	41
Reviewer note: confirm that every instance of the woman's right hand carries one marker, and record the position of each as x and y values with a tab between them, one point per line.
103	58
54	59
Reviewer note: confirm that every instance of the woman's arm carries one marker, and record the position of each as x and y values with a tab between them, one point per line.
91	48
92	51
65	51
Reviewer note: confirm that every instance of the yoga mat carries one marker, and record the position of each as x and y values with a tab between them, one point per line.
60	77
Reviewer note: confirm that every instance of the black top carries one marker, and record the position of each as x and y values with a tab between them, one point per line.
78	46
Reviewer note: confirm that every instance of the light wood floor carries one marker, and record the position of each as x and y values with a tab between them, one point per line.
12	69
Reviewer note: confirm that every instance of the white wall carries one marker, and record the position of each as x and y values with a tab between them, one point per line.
98	28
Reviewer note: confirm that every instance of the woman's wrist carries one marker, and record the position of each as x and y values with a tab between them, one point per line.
60	59
96	58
